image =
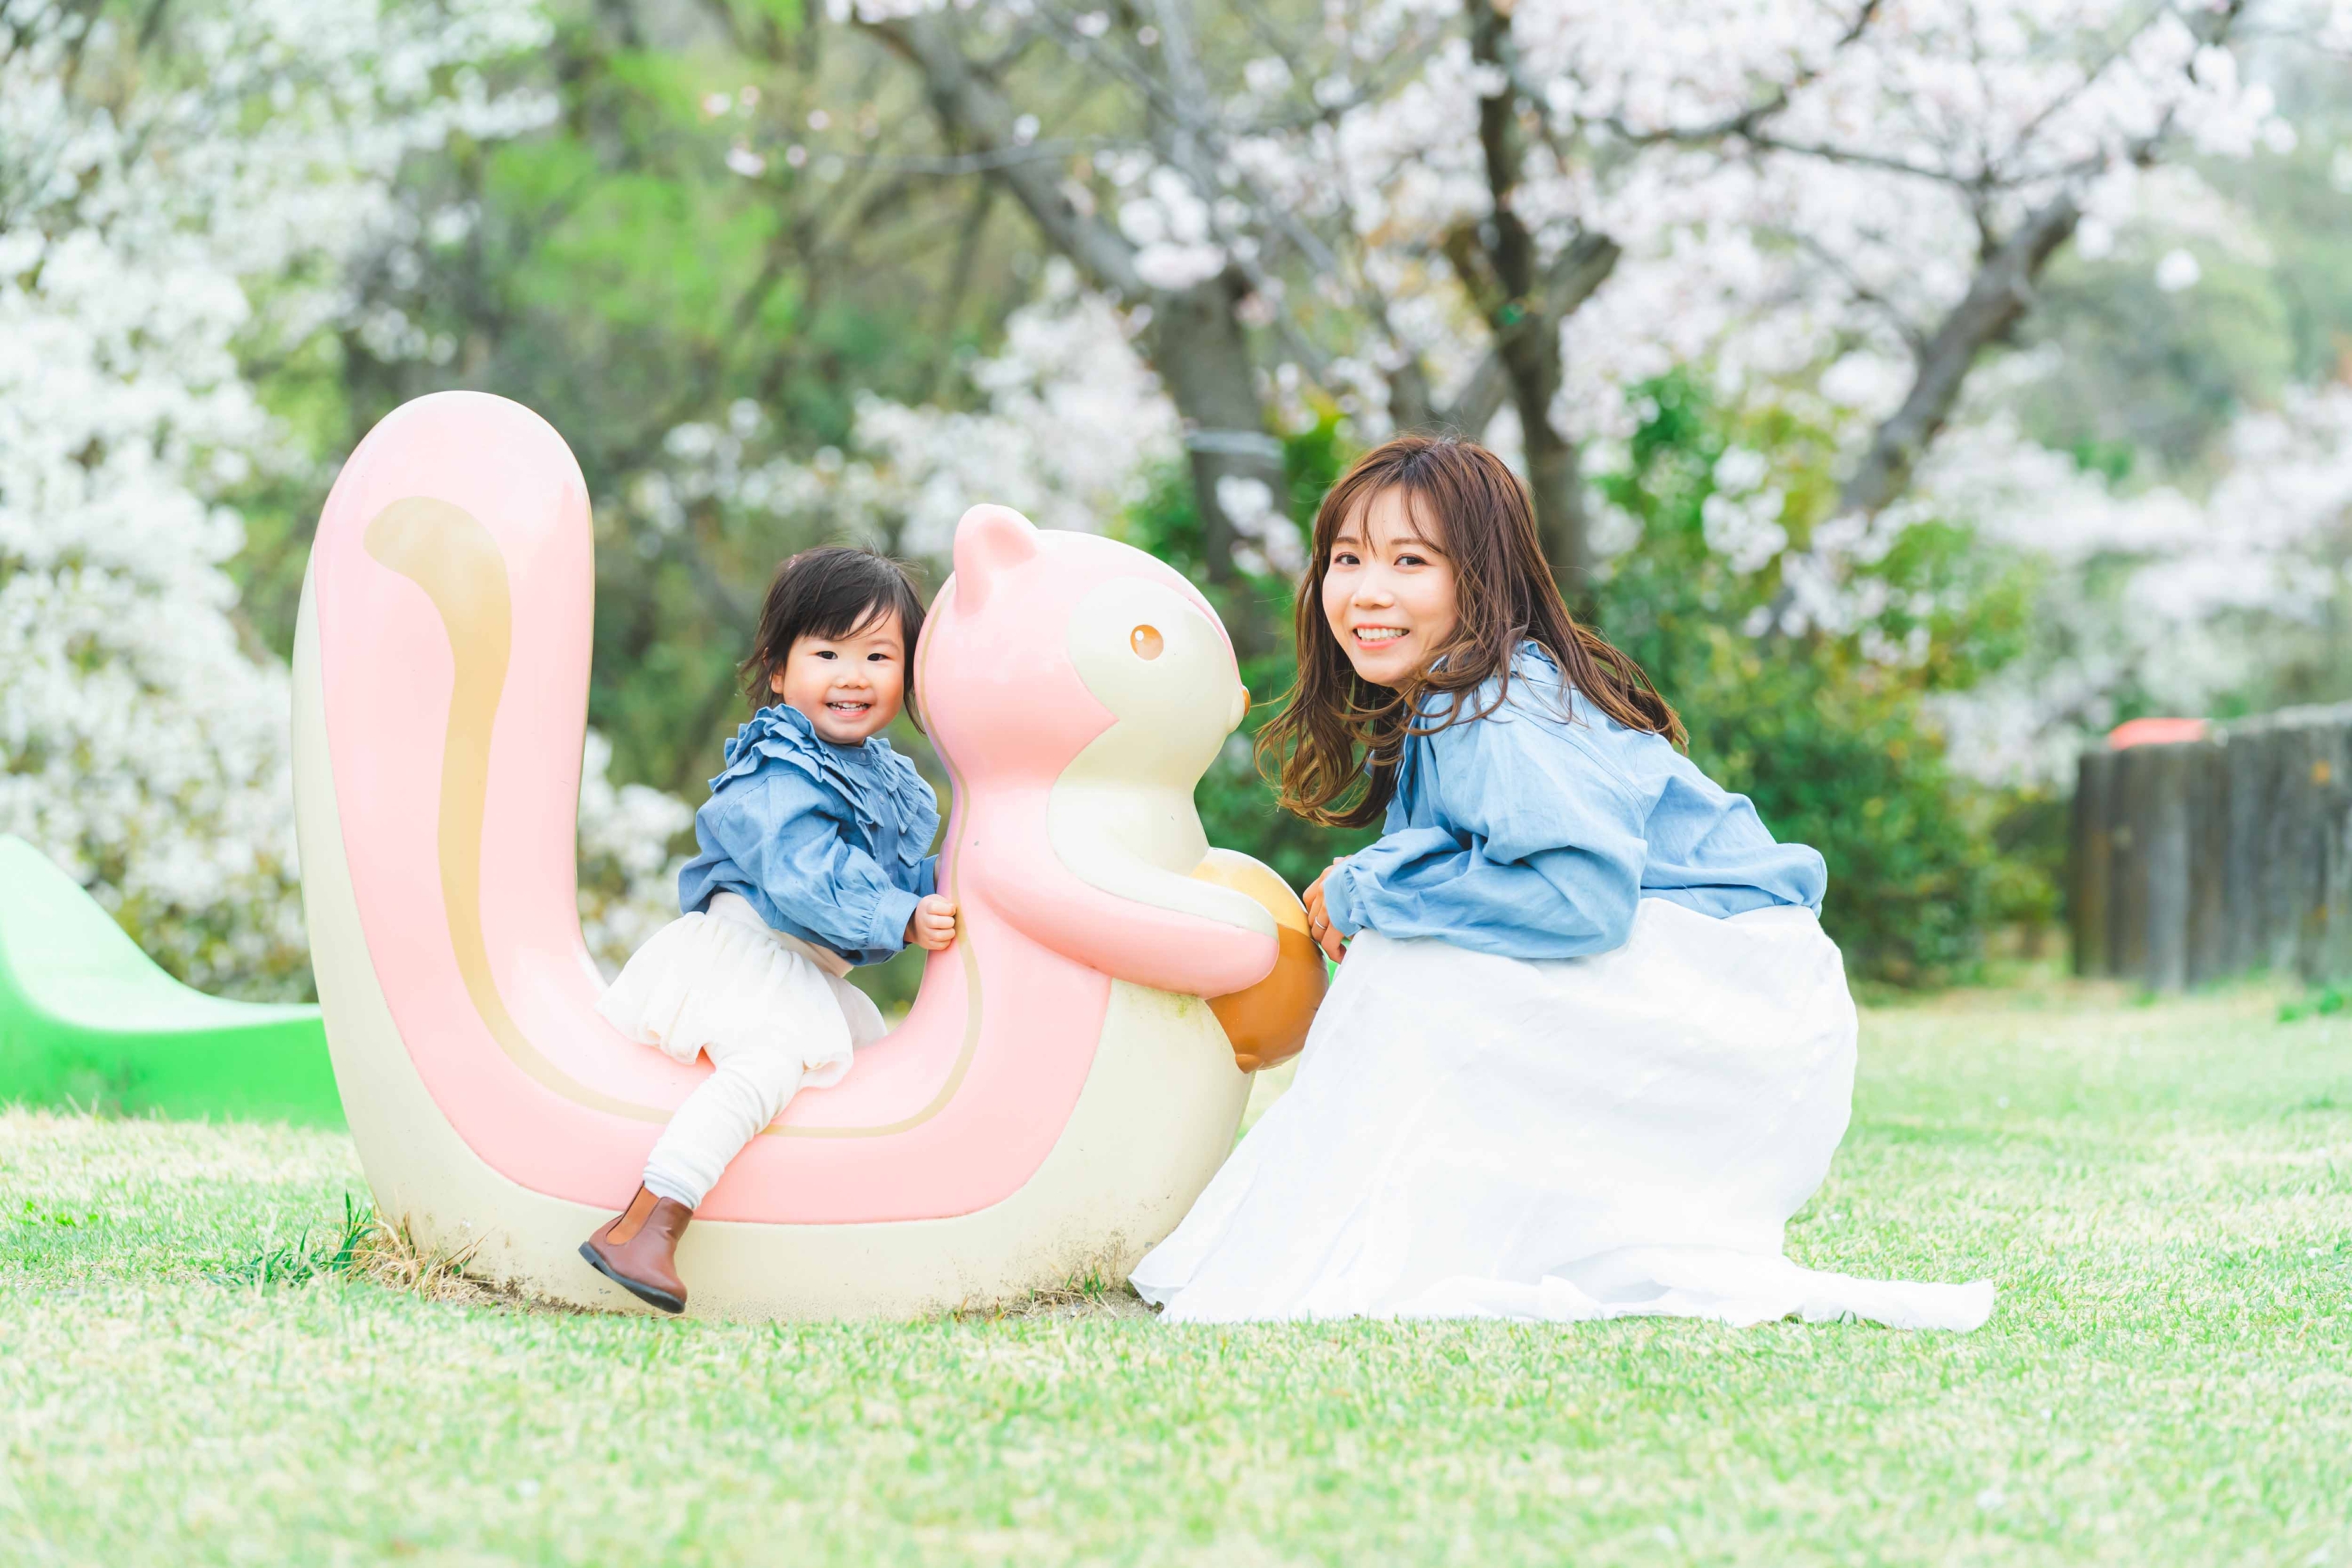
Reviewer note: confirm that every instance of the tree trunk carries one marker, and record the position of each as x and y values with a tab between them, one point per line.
1196	343
1555	481
1197	346
1202	361
1512	288
1411	406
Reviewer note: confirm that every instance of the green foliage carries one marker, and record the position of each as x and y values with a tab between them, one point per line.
1835	746
2145	384
614	272
2140	370
306	1257
2325	1002
1830	735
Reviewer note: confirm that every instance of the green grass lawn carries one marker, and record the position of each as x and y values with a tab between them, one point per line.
2164	1195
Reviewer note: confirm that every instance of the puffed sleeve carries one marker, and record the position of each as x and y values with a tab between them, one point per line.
1537	851
774	828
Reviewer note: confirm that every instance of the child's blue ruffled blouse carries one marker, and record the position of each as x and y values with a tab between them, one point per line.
1525	835
826	842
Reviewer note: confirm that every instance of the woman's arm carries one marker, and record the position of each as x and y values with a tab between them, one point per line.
1537	853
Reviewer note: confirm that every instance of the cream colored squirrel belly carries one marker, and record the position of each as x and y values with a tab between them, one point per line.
1058	1095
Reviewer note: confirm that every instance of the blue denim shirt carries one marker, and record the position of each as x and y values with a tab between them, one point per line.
826	842
1523	835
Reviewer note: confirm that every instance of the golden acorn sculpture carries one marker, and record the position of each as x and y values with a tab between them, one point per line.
1267	1022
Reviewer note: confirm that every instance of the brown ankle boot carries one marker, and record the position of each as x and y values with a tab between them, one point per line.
637	1251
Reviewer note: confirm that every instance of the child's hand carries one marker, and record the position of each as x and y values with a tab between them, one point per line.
932	925
1318	919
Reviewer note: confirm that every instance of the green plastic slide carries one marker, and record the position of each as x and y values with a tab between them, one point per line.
86	1019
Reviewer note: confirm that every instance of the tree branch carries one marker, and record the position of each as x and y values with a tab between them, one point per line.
1575	275
1055	153
1998	296
1196	341
979	112
1856	285
1743	122
1524	301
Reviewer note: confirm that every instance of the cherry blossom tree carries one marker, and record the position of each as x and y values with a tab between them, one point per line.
2169	597
1440	212
1070	421
1503	217
180	187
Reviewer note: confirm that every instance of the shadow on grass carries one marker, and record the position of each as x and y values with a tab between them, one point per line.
367	1249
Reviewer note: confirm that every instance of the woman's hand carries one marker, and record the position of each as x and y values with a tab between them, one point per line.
932	925
1318	918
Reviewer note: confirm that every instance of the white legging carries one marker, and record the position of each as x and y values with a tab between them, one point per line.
771	1011
750	1089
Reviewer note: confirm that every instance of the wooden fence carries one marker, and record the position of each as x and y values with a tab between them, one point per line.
2223	856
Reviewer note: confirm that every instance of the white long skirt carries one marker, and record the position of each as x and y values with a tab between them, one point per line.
1622	1135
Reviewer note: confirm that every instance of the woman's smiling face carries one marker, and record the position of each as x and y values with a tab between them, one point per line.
1389	590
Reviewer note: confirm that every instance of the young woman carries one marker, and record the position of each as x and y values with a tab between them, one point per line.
814	856
1589	1050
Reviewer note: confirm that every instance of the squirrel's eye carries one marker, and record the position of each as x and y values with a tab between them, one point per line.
1146	641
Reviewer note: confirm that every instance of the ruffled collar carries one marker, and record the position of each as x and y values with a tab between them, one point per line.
884	792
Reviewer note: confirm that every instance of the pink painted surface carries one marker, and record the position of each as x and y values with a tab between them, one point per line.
1006	708
1036	579
2155	732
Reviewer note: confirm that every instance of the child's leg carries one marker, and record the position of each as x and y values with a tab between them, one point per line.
770	1024
750	1089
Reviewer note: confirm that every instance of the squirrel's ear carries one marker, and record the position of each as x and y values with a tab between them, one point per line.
990	540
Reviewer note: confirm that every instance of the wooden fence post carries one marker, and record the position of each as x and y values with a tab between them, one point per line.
2208	861
2162	839
2250	756
2324	954
2293	849
2127	863
2089	863
2189	861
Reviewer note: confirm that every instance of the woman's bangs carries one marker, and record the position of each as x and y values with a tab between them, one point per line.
1425	517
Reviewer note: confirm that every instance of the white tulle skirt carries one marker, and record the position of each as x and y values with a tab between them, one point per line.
1615	1136
722	982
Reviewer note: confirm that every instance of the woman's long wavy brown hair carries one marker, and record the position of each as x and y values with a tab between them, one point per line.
1335	745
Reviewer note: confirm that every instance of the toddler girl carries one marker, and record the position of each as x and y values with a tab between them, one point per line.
1590	1048
814	859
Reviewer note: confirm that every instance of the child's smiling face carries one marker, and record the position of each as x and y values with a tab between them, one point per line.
1387	590
850	686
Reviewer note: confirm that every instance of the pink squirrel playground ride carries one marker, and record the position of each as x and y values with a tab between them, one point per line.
1058	1094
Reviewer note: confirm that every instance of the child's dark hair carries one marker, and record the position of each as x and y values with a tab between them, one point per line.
831	592
1338	739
